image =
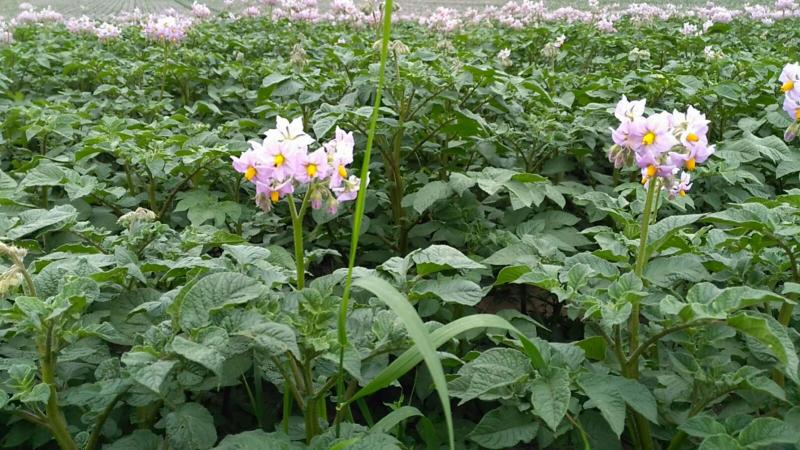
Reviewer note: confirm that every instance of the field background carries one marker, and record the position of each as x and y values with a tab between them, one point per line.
100	8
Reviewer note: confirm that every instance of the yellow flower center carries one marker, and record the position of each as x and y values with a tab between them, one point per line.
311	170
651	171
682	193
342	171
797	113
274	196
250	173
691	137
788	86
649	138
279	159
690	164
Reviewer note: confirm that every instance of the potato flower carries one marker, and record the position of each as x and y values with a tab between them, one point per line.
664	146
790	86
283	163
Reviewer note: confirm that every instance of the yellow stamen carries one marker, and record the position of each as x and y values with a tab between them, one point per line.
342	171
691	137
649	138
682	193
797	114
250	173
274	196
788	86
279	159
311	170
651	171
690	164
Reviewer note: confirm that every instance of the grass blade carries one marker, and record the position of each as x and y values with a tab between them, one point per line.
398	303
412	356
394	418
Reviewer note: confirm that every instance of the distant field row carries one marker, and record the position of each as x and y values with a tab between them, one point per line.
100	8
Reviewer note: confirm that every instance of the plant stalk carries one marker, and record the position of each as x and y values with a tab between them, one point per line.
360	200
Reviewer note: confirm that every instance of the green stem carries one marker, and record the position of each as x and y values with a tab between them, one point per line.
632	368
311	411
287	406
359	211
94	439
55	418
297	229
641	260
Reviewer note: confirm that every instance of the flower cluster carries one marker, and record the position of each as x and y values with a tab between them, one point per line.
6	37
551	49
166	28
790	86
512	14
664	146
504	57
107	31
82	24
283	163
200	11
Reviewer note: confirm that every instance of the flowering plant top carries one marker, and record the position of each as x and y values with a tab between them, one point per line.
284	162
665	147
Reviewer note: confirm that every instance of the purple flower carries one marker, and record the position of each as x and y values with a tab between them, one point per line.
313	166
251	164
652	134
790	75
289	133
682	187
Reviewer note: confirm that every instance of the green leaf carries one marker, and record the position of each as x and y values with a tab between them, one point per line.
33	220
45	174
550	396
662	230
274	338
504	427
39	394
719	442
453	290
605	396
702	426
138	440
258	440
148	371
208	354
490	374
190	427
419	335
751	148
772	334
441	257
394	418
764	431
638	397
214	292
666	271
430	194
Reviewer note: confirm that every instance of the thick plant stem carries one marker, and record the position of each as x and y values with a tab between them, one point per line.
632	367
311	411
641	260
360	201
299	254
97	432
55	418
287	406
